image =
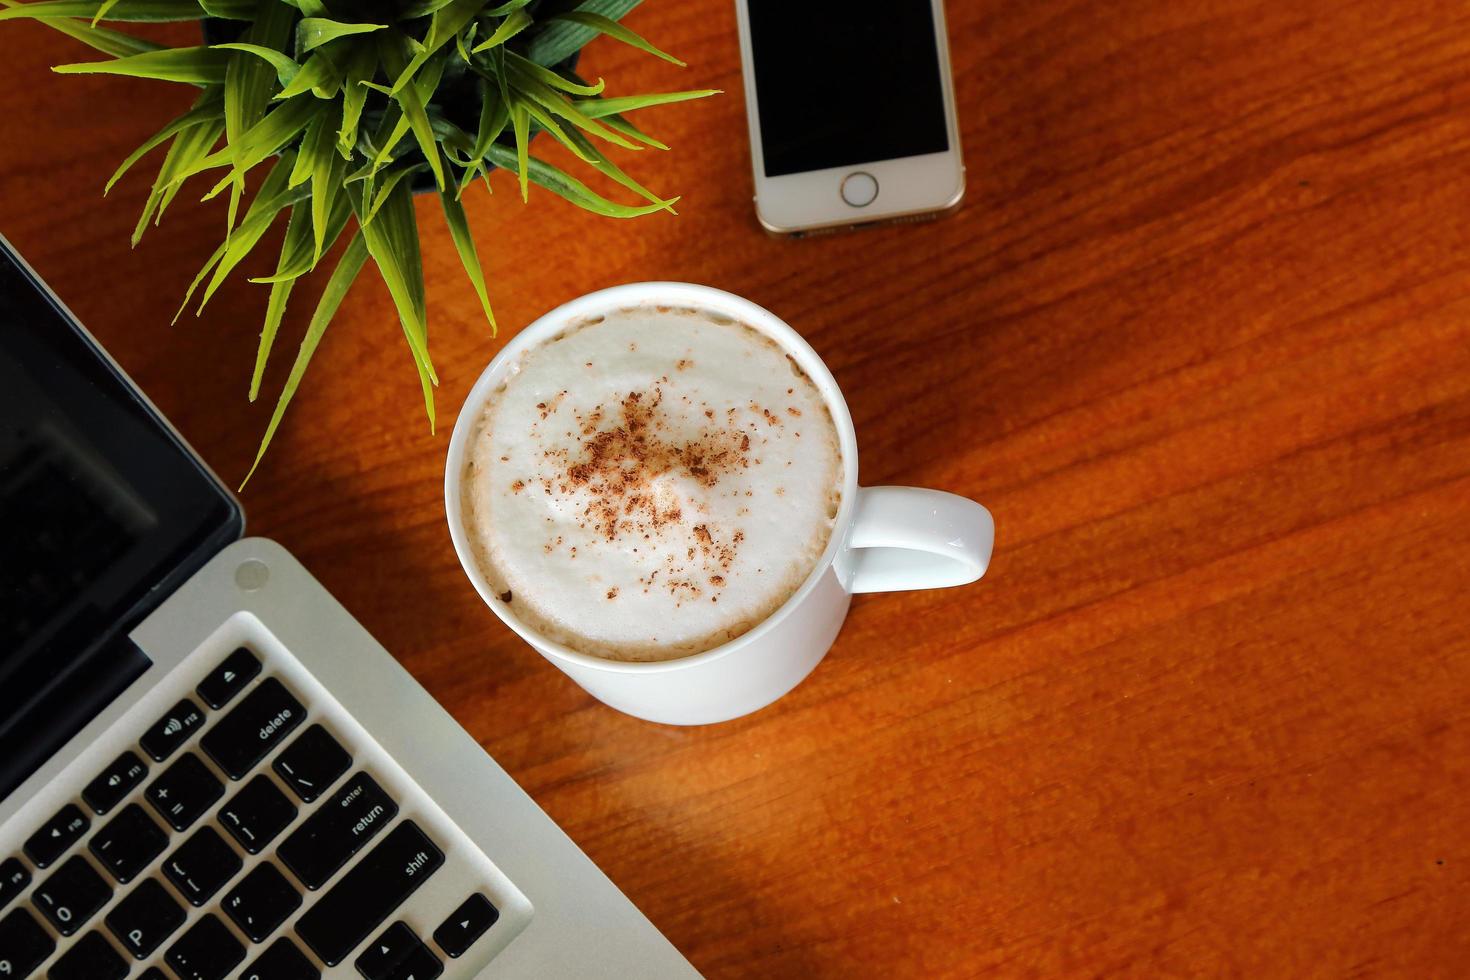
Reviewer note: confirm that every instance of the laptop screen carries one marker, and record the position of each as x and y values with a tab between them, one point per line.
103	512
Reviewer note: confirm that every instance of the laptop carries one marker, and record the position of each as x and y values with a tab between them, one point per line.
208	768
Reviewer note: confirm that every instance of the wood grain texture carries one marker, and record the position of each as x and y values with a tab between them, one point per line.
1200	338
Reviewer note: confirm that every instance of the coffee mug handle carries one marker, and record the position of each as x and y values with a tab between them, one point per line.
911	538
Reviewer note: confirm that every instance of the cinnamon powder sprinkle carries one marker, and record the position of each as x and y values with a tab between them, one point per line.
621	451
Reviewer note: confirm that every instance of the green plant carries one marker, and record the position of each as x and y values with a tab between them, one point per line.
353	102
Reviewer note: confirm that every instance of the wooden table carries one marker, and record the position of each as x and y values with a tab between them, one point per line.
1200	338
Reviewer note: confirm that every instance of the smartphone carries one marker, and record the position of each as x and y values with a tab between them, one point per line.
851	110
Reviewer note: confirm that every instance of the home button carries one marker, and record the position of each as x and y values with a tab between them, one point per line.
859	189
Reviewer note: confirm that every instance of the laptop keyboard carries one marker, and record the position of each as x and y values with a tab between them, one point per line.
243	834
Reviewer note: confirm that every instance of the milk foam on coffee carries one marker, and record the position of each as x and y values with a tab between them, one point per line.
651	483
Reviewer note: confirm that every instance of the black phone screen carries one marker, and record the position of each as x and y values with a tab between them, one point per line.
843	82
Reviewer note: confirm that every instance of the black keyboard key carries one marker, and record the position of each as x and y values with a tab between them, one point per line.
129	843
261	901
72	895
466	924
208	951
421	964
184	791
13	880
172	730
257	814
398	953
253	727
152	973
63	830
339	829
89	958
145	918
114	782
282	961
370	891
24	944
312	763
201	866
229	678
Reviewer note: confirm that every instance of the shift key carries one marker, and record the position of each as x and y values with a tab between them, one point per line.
344	823
253	727
367	894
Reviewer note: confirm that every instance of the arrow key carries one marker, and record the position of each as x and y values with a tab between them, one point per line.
466	924
398	955
383	954
420	965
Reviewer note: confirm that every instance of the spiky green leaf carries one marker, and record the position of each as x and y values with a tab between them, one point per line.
601	107
513	24
296	242
286	68
200	65
272	197
464	243
610	27
524	68
313	32
412	98
319	75
109	42
393	241
520	120
135	11
228	9
385	187
326	308
563	184
302	257
361	65
446	23
190	145
561	40
209	108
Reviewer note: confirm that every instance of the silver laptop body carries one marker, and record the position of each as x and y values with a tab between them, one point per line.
316	814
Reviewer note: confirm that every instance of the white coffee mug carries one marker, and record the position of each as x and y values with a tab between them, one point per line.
885	539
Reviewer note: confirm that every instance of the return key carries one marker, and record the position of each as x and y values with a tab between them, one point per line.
337	830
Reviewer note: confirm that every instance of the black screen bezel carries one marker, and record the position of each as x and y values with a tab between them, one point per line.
101	662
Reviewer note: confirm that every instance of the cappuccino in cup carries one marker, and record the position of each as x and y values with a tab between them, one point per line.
650	482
